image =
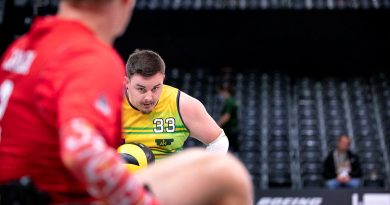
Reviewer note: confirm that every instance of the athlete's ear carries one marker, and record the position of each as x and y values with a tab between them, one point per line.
126	81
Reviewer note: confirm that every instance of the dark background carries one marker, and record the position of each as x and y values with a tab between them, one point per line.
309	41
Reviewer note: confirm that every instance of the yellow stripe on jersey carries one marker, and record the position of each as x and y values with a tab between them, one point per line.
162	130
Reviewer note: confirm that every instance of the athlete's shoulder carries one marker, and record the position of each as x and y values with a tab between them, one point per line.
86	61
170	88
189	104
169	92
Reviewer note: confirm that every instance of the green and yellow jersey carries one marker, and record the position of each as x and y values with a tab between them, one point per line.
162	130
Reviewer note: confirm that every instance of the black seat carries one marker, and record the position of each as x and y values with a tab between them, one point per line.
312	168
278	131
335	122
312	180
250	156
306	93
279	167
278	102
377	182
335	107
251	134
311	132
253	168
279	179
334	102
364	134
370	156
361	112
307	117
279	156
335	132
307	127
308	104
331	112
372	167
278	137
362	123
310	145
278	145
311	156
249	146
368	145
278	122
307	112
278	113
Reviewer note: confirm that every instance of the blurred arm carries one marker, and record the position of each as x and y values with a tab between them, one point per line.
86	154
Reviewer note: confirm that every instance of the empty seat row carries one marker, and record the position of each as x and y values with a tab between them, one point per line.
324	110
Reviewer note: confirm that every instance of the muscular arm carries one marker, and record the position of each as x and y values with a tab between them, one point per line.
85	153
201	125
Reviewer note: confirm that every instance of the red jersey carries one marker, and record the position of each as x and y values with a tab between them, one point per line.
57	71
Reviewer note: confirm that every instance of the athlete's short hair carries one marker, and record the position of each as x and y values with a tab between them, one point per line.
145	63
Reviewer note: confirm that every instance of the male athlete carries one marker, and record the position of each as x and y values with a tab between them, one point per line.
60	100
161	116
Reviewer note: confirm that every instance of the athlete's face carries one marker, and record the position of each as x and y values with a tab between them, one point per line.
144	92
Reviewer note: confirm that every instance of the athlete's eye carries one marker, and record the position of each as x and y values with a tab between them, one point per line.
154	89
141	89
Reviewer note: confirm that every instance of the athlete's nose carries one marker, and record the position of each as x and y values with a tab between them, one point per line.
148	96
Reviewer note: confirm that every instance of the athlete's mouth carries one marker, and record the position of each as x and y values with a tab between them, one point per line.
147	104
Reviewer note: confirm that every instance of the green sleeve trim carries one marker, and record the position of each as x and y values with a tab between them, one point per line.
178	108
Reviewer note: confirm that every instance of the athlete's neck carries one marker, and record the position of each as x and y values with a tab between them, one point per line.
100	24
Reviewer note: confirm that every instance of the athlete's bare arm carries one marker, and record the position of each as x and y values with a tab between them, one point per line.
201	125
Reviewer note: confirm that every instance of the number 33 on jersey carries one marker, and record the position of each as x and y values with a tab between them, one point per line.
162	130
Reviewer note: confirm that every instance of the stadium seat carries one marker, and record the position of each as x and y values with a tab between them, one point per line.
278	145
312	181
311	156
265	109
279	156
311	168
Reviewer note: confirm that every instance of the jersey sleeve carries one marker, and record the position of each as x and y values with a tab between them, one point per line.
85	84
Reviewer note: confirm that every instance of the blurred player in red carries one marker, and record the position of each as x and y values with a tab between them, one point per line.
60	97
